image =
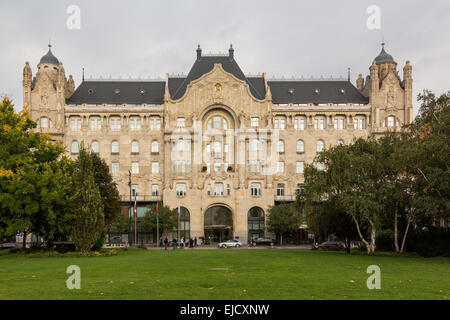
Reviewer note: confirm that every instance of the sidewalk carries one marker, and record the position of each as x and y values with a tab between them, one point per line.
299	247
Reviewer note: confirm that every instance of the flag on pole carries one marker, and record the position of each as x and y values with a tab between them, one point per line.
135	208
157	207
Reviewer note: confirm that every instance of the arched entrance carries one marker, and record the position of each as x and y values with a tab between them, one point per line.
218	224
255	223
184	223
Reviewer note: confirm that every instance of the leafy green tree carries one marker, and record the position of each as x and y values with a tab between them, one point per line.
283	218
34	178
108	189
121	223
89	221
168	219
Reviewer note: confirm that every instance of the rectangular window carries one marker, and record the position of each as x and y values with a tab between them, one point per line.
134	191
208	190
359	123
155	167
114	123
300	167
95	123
217	167
155	123
218	189
114	167
75	124
300	123
319	123
135	123
155	190
228	190
255	189
135	167
280	167
280	190
254	122
181	189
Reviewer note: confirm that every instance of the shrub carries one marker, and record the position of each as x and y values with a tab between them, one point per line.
433	242
385	240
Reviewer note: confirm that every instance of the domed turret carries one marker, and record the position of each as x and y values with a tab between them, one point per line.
49	57
384	56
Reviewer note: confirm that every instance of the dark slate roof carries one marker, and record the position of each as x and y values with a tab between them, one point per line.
302	92
49	57
129	92
205	64
384	57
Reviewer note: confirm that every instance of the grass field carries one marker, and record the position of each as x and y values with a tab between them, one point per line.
251	274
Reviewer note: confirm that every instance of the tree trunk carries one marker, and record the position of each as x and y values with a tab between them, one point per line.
402	250
396	230
24	240
347	244
361	236
372	240
281	238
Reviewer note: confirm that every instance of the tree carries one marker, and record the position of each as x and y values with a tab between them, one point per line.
89	221
107	187
283	218
168	219
34	178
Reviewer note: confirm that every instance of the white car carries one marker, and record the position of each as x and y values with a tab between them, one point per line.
230	243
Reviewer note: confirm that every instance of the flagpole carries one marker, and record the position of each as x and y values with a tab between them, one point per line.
135	215
157	224
178	220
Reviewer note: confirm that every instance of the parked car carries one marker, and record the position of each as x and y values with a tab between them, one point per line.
264	241
9	245
230	243
329	245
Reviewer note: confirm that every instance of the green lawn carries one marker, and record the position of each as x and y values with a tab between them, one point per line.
252	274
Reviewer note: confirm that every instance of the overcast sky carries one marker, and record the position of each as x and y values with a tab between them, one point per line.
282	38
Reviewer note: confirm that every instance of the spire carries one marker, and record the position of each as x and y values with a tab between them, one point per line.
383	56
199	52
231	52
348	76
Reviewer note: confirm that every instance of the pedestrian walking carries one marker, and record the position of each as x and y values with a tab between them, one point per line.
191	242
166	242
160	242
174	243
195	241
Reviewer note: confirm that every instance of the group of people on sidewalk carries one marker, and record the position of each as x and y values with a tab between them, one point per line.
191	243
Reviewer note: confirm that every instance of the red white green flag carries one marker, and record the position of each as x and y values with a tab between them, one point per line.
135	208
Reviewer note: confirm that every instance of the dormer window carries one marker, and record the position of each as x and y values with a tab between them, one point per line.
117	91
291	91
317	91
342	91
142	91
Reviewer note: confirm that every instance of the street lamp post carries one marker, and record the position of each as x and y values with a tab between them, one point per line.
129	211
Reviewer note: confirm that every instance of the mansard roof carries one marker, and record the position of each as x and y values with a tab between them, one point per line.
152	92
118	92
311	91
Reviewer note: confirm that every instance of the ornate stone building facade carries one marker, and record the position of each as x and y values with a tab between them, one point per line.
221	145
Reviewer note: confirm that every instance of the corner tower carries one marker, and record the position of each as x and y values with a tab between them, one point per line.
46	93
390	97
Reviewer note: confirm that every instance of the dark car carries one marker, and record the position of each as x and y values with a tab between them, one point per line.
264	241
329	245
9	245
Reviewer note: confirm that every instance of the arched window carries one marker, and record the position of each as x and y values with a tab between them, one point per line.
280	147
255	223
320	146
300	146
74	149
155	147
94	147
134	147
115	147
